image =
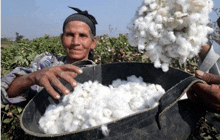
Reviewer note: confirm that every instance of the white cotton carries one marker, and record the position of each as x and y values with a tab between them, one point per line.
137	103
159	19
105	130
141	44
182	25
92	104
150	103
157	64
142	10
153	6
165	67
107	112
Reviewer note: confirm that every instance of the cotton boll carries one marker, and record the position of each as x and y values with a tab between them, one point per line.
170	52
142	10
53	130
92	122
85	126
171	36
141	44
134	79
147	2
150	103
157	64
198	5
157	96
204	20
194	17
165	59
209	5
137	104
138	21
158	19
209	30
192	30
159	88
75	123
158	27
119	114
165	67
153	6
105	130
155	104
107	112
73	128
150	46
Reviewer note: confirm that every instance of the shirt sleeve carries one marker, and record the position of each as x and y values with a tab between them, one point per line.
211	63
41	61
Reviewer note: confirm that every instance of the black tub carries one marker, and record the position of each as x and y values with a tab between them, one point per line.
172	119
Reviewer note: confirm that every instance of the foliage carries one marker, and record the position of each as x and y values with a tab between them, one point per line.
114	49
23	53
18	37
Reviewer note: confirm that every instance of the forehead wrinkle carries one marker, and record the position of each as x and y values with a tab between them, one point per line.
80	27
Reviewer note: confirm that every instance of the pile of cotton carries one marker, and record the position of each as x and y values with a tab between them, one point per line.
170	29
92	104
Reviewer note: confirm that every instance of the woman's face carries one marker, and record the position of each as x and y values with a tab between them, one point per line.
77	41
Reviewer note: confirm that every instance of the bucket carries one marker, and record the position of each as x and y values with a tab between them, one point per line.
171	119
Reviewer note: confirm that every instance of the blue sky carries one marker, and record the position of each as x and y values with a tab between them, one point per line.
36	18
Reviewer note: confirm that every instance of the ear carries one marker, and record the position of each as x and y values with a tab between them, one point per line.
94	43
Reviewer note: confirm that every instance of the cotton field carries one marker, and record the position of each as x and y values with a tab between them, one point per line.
93	104
170	28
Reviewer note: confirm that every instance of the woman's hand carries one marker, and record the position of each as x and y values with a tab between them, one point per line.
49	76
208	93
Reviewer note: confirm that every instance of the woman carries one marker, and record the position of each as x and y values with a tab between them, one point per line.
78	39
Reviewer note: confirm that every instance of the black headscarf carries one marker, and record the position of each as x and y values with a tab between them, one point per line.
82	16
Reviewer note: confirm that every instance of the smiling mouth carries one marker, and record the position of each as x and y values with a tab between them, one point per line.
75	51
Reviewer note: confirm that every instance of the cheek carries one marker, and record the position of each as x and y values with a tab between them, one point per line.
87	44
66	43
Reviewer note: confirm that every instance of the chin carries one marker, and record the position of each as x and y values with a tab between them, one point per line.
75	57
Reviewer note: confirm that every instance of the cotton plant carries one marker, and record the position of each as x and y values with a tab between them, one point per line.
170	29
92	104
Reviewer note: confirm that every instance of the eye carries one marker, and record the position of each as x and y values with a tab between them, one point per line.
69	34
82	35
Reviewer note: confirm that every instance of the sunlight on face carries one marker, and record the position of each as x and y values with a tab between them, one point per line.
77	41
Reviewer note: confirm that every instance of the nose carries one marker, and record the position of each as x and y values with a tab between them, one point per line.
75	40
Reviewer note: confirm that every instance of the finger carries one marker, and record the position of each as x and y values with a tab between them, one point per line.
50	90
209	78
68	76
72	68
191	96
209	93
59	85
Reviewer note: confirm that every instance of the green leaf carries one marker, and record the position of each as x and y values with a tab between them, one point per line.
19	109
6	107
2	106
8	120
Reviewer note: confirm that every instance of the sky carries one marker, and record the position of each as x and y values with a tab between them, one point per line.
36	18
